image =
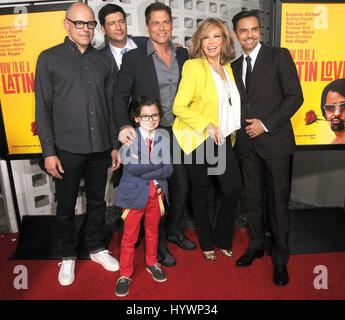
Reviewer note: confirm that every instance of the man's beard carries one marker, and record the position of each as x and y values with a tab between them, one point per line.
337	124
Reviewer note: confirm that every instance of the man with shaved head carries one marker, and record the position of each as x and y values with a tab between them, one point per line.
74	85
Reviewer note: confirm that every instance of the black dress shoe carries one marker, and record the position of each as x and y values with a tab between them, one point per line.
182	242
247	259
280	276
165	258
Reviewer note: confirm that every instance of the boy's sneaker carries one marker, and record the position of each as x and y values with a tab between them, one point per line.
66	273
106	260
157	272
122	286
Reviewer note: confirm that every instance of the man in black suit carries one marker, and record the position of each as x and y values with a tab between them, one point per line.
114	25
155	70
271	93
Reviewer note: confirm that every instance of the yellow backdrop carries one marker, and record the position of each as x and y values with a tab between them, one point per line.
315	35
22	38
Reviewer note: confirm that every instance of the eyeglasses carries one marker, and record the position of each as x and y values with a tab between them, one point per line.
80	24
330	108
154	117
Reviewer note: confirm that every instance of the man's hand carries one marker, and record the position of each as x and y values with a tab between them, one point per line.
215	133
53	166
127	135
115	157
255	128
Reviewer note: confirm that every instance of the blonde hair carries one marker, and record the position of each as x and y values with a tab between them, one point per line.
195	47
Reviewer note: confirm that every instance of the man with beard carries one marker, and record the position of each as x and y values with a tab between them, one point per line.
333	108
114	25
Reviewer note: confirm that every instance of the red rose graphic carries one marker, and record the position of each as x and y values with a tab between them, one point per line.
310	117
33	128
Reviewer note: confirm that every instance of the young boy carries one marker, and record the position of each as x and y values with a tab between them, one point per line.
143	185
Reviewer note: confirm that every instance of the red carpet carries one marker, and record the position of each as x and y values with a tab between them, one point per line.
193	278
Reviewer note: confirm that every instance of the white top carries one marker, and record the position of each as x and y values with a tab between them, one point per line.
145	135
229	115
130	45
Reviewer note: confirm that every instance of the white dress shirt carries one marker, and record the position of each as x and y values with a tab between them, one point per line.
130	45
253	55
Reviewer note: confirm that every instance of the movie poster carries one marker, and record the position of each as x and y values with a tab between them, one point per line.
22	38
314	33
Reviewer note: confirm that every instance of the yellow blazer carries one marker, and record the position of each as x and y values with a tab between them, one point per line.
196	104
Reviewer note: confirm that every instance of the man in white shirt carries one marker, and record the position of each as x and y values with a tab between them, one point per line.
113	24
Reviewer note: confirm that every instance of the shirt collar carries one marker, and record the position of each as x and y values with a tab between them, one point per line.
144	135
253	54
74	46
130	44
151	49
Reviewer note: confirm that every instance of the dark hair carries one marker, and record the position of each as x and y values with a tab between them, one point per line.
336	86
108	9
245	14
156	6
143	101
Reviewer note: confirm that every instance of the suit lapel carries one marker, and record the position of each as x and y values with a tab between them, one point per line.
157	143
107	50
143	151
259	68
149	72
237	71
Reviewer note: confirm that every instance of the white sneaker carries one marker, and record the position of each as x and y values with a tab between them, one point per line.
66	273
106	260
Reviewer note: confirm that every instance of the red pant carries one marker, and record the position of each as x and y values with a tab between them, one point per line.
131	230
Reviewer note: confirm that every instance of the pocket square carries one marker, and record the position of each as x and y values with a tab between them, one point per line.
134	156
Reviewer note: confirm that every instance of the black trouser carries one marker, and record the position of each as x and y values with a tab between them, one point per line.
231	185
93	167
274	175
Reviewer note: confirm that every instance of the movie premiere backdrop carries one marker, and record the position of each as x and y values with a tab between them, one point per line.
23	35
315	35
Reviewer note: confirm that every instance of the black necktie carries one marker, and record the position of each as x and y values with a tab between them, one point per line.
248	72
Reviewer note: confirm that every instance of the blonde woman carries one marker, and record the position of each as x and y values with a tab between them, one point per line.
207	108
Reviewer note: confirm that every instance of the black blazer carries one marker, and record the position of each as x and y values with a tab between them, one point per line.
274	96
138	77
